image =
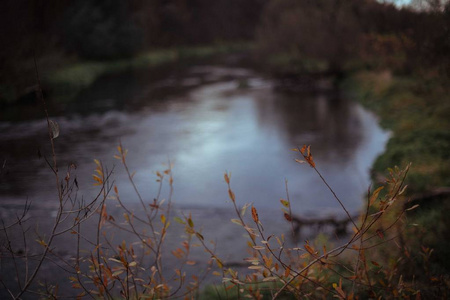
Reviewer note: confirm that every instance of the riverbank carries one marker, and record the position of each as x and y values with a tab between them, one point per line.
63	78
415	109
72	78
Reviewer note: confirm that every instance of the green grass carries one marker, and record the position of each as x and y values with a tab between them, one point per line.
416	110
67	81
212	292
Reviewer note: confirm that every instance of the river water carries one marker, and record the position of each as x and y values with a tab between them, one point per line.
205	120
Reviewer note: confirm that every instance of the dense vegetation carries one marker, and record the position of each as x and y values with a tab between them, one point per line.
396	61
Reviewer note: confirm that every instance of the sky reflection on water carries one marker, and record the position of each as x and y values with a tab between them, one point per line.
205	131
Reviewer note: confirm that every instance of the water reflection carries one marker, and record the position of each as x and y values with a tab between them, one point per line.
205	123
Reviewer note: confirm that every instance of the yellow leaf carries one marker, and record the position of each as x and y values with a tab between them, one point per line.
163	219
117	273
98	180
236	221
191	224
244	209
413	207
42	243
284	202
179	220
304	255
375	195
403	190
272	278
219	263
132	264
258	247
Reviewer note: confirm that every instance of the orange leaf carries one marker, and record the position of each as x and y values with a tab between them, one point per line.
310	249
310	160
287	272
227	178
303	149
231	194
288	217
255	214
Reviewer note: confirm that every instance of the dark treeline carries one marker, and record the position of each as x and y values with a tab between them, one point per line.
333	31
339	30
117	28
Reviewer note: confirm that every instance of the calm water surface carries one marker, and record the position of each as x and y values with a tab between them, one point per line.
206	121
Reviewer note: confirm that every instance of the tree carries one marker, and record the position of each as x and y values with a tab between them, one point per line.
102	29
323	29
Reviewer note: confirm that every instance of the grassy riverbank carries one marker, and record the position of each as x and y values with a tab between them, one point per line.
65	82
62	78
415	109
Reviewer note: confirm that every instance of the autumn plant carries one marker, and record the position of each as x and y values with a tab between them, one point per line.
350	270
23	253
312	270
136	266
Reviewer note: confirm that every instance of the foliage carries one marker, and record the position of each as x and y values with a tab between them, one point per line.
134	268
322	30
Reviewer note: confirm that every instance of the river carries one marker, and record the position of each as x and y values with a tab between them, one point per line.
206	120
216	119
